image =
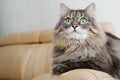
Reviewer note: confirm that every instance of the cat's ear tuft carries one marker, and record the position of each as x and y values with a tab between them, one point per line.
91	9
63	9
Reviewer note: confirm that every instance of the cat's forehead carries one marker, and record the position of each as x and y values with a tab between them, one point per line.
76	13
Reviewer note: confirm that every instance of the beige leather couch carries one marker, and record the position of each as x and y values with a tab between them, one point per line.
27	56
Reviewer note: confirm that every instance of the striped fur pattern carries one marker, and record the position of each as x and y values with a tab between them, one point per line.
85	46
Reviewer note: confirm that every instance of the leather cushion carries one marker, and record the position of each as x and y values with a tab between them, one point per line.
78	74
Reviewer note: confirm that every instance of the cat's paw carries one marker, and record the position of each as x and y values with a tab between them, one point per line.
59	69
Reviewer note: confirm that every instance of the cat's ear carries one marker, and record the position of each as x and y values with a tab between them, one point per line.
63	9
91	9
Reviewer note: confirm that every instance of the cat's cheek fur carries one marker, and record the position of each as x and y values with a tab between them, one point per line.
80	34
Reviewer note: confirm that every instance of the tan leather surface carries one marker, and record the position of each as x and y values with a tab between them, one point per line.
20	38
44	36
27	55
47	76
108	27
85	74
78	74
24	61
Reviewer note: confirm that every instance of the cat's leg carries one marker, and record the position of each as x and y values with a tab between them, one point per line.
59	68
65	66
116	66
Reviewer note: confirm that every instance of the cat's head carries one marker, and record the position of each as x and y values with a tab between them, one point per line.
77	24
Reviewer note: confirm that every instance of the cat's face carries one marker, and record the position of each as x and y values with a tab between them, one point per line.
76	24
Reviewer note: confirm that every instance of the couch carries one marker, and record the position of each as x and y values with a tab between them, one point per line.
27	56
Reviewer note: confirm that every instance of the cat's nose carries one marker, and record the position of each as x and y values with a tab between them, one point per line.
74	25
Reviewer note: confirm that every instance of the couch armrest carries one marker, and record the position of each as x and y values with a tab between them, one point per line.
85	74
44	36
78	74
108	27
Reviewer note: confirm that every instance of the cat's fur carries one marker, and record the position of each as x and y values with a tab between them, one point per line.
87	46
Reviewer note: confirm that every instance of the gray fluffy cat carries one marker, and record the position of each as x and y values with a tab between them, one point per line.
79	42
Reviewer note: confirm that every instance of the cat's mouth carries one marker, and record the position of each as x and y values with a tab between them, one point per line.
77	35
77	32
74	30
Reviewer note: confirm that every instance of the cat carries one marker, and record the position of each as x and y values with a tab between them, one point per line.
80	43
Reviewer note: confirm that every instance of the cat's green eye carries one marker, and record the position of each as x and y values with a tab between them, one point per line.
68	20
83	21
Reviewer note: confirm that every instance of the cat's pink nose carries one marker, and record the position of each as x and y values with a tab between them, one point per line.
74	25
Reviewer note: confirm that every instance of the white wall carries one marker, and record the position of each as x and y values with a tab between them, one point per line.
34	15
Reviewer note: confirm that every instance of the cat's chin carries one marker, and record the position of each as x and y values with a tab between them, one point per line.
76	35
